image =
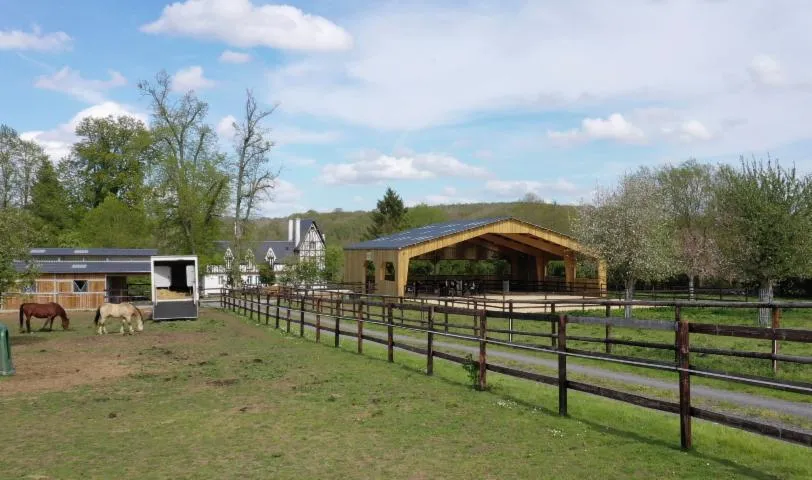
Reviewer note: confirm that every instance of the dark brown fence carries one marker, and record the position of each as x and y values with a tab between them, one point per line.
392	313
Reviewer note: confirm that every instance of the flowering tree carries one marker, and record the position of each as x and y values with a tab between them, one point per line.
688	199
627	226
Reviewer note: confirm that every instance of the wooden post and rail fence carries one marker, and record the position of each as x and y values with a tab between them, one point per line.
358	308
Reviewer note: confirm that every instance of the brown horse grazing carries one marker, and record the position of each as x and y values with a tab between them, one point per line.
49	311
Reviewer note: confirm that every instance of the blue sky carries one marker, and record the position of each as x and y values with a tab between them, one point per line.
445	102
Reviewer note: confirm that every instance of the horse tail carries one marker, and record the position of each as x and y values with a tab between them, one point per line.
98	315
140	326
22	315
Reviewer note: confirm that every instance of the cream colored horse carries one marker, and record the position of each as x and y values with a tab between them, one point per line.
126	311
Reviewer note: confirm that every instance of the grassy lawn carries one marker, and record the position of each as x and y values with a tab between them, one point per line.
223	398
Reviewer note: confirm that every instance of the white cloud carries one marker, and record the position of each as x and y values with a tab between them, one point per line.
225	128
71	82
242	24
446	63
765	70
190	78
230	56
615	127
693	130
58	141
373	168
298	161
518	188
285	199
35	40
291	135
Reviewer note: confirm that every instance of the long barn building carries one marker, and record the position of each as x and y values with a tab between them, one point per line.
79	279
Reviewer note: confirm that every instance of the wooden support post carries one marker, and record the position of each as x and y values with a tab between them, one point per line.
553	339
287	320
483	357
776	323
222	298
390	341
360	323
684	384
337	323
430	343
608	329
562	365
510	321
318	320
278	301
301	316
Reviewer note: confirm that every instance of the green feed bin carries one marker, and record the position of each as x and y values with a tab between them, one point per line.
6	368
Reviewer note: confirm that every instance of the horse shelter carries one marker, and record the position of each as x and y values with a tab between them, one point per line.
382	264
80	279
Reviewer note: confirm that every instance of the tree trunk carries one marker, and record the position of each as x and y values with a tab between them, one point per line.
629	297
691	294
765	295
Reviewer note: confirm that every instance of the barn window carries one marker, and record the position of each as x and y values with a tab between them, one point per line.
389	272
30	288
79	286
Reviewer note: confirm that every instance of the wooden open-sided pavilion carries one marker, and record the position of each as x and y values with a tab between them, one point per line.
528	247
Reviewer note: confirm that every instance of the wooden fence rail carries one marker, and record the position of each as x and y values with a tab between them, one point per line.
358	308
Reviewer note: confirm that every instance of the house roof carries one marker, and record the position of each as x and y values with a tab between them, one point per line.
87	267
282	249
100	252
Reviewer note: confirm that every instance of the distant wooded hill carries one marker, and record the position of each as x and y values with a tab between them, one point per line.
342	228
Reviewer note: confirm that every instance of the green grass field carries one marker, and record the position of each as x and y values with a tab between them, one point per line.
224	398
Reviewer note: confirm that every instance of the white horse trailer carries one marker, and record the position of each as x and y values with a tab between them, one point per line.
175	292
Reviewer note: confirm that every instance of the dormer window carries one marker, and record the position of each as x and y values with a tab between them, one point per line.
229	257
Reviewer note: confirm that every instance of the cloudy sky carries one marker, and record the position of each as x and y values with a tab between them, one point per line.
445	101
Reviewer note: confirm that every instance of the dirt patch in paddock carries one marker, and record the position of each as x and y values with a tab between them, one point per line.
58	360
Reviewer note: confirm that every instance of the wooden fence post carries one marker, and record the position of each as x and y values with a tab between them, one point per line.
222	298
684	384
608	329
287	319
562	365
360	323
510	321
483	358
278	301
267	308
390	342
776	323
445	316
337	324
677	320
430	343
301	316
553	340
318	320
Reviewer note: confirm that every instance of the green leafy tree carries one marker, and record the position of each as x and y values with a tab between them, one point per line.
333	263
422	215
9	141
19	160
49	200
388	217
765	220
189	181
19	230
302	274
115	224
267	276
627	226
688	194
113	156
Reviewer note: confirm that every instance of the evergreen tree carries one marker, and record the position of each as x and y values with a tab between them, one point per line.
388	217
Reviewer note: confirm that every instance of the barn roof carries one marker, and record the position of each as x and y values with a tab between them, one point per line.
100	252
407	238
87	267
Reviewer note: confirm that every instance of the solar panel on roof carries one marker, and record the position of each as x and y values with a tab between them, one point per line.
423	234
